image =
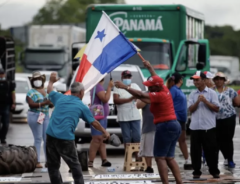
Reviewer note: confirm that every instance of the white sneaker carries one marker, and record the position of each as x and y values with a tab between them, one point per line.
187	162
225	162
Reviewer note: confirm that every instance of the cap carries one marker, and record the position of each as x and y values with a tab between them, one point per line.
208	74
176	77
126	73
221	75
198	75
154	81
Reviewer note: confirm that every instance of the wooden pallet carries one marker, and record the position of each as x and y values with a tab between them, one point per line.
129	165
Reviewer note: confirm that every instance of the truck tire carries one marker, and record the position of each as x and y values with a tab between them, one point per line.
17	159
83	159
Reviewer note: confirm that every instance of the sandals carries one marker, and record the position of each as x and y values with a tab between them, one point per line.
90	163
106	163
39	165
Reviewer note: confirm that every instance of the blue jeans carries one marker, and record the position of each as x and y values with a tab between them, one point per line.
130	131
166	137
39	131
103	122
4	113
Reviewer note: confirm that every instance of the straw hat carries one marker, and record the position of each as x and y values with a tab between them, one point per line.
37	74
221	75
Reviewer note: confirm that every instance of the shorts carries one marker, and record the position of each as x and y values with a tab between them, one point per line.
183	125
103	122
166	137
131	131
146	144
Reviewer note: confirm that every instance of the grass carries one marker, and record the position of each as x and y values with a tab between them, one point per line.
235	87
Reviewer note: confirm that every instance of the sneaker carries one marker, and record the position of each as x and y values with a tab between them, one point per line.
149	170
216	176
225	162
106	163
39	165
196	176
3	142
231	164
90	163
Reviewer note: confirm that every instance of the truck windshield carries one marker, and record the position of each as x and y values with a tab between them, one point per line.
158	54
44	57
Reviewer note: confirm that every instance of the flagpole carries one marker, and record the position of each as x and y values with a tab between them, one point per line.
141	56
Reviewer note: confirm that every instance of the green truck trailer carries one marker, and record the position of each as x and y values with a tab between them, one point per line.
169	36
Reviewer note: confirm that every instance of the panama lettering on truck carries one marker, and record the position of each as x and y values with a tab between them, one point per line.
141	22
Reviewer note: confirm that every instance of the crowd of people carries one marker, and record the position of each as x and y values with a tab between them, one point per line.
164	115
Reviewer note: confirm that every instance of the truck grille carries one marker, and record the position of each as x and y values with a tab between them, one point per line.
112	110
17	112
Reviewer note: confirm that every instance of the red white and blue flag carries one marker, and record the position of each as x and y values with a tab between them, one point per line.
106	50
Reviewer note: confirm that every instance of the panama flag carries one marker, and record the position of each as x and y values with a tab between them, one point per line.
106	50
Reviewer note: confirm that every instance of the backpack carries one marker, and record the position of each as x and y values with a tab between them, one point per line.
97	110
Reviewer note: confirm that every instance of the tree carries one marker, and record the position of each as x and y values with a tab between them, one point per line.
223	40
66	11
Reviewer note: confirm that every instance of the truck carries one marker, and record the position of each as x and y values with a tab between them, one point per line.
171	37
7	62
49	49
228	65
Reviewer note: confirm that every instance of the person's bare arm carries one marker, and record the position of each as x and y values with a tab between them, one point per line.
149	67
99	127
140	104
53	79
32	104
236	101
105	96
194	107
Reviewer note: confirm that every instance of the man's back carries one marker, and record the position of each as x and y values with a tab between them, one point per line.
66	114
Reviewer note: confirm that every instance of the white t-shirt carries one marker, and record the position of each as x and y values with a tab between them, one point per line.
127	111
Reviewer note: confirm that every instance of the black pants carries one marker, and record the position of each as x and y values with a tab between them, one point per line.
4	113
225	134
206	140
57	148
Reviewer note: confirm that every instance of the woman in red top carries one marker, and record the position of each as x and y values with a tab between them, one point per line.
168	129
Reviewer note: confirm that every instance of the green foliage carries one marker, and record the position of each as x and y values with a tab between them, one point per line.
66	11
223	40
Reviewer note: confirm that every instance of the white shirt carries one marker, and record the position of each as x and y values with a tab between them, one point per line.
203	118
127	111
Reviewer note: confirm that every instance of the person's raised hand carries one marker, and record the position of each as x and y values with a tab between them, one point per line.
147	64
53	77
111	84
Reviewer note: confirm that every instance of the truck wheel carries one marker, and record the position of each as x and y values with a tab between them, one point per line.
83	159
17	159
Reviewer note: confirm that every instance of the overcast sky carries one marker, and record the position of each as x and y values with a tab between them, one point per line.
19	12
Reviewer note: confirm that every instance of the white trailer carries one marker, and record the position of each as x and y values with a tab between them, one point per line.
55	36
226	64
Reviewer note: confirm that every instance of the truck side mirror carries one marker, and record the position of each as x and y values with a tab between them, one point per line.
202	53
200	65
20	58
